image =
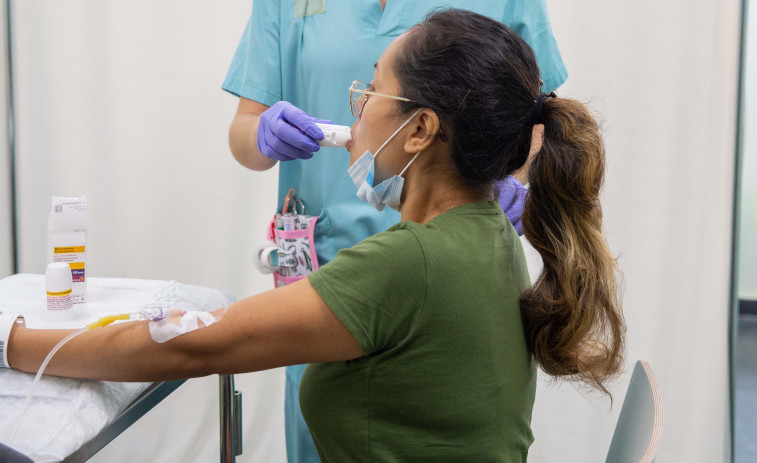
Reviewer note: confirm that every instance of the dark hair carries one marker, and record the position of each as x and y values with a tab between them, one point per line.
482	80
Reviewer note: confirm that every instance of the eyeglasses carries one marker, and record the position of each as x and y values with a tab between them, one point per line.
359	94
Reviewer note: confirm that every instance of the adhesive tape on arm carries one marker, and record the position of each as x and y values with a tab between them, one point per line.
6	323
334	136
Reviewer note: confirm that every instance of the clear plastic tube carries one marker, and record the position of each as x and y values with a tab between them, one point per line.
39	375
149	313
164	324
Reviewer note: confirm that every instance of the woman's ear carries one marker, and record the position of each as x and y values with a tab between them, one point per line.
423	131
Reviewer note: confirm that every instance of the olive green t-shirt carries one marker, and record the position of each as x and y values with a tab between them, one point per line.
446	375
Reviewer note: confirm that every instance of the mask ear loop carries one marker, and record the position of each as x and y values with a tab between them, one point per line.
396	132
411	161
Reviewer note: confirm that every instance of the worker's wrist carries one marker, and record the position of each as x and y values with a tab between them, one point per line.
7	323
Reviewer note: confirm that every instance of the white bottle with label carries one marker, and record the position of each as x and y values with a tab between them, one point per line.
58	282
67	240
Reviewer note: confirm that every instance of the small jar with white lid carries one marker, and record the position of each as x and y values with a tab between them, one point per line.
58	282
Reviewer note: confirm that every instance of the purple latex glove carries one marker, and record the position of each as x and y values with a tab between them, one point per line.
285	132
512	199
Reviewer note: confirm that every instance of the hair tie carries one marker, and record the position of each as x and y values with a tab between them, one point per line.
538	103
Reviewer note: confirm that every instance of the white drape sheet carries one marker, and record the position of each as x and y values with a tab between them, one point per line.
121	101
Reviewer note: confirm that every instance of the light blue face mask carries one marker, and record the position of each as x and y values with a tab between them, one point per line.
386	193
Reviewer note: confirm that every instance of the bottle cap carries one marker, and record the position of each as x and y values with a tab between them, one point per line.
58	277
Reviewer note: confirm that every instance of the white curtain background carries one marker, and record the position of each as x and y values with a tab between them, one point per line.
121	100
6	218
748	212
662	77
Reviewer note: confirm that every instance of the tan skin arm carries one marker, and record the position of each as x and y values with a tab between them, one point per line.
286	326
243	136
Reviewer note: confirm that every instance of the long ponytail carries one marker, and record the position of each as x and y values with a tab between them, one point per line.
481	79
572	316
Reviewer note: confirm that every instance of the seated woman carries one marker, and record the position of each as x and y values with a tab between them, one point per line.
423	339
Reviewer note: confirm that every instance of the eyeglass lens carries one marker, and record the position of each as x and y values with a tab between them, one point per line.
357	97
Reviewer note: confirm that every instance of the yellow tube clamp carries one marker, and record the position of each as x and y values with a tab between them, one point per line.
107	320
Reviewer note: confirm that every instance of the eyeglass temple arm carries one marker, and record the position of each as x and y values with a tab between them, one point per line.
368	92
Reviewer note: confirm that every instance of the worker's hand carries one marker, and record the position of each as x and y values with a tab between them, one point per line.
512	200
285	132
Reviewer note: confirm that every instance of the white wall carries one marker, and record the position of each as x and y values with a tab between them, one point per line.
121	101
748	226
6	218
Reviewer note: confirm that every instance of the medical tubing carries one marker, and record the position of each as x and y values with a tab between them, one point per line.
39	375
150	314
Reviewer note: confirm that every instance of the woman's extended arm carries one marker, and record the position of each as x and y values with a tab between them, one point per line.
285	326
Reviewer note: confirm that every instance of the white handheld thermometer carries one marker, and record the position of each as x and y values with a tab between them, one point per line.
334	136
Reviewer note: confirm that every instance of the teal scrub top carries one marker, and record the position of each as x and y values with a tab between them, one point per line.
295	50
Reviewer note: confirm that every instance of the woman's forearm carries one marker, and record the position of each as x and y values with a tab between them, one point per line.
122	352
286	326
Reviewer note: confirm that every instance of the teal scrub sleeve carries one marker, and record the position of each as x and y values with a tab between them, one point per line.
531	21
255	70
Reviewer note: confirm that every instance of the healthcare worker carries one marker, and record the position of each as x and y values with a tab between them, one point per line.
294	60
423	340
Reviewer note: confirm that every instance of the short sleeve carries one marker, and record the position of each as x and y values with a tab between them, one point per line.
255	70
531	21
376	289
